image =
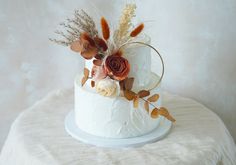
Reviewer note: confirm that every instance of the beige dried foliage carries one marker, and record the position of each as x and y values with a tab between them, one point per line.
121	35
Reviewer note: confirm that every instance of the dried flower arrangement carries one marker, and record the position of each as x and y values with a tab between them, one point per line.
109	66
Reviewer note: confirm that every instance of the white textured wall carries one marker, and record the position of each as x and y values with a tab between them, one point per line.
196	37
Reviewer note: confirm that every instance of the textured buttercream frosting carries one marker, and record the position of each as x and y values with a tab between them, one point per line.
113	117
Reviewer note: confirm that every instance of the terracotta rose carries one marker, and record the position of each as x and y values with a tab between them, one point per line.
117	67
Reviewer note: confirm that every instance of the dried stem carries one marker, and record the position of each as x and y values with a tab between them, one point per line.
81	22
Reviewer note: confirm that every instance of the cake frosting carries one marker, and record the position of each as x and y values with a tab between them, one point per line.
117	95
112	117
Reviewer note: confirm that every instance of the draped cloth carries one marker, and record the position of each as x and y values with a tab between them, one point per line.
38	137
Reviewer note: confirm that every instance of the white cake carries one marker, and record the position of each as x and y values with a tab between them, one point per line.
115	117
117	95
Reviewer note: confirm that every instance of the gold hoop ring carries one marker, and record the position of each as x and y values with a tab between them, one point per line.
162	62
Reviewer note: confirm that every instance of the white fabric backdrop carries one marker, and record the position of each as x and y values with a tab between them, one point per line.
196	38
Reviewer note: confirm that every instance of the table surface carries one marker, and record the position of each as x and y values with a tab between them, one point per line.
38	137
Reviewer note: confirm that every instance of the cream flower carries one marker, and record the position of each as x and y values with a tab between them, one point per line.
106	87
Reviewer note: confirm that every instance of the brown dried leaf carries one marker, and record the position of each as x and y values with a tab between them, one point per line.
129	95
105	28
99	56
153	98
136	101
89	53
122	85
143	93
86	72
146	106
85	37
76	46
155	113
92	84
83	81
170	118
137	30
164	112
129	83
101	43
97	62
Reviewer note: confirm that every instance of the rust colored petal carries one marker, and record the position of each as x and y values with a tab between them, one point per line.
89	53
101	43
76	46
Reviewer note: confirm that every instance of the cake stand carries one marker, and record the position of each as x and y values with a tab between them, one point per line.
161	131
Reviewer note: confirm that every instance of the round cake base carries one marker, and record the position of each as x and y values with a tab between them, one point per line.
157	134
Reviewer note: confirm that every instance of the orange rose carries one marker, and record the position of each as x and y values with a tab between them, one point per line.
117	67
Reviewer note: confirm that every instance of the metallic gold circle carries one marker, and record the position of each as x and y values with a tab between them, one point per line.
145	44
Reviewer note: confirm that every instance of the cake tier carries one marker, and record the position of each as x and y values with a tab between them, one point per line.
112	117
139	57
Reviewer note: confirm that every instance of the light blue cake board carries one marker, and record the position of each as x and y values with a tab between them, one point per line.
157	134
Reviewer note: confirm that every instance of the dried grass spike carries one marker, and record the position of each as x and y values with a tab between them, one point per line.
105	29
137	30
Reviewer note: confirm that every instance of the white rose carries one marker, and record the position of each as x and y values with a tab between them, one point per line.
107	87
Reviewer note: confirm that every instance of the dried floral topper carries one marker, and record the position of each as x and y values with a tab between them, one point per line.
110	69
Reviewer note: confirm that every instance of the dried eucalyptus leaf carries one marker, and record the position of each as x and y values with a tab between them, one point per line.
86	72
153	98
143	93
122	85
83	81
129	83
154	113
129	95
164	112
76	46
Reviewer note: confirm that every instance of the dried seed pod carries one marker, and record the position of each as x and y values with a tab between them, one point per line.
137	30
105	28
